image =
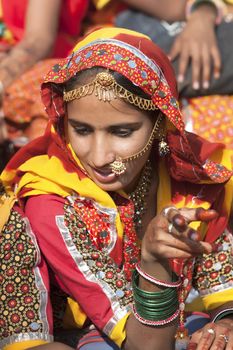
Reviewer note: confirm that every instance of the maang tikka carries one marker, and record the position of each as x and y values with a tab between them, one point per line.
106	88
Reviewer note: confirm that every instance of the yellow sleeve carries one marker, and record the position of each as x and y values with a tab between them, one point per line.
99	4
118	333
24	345
215	300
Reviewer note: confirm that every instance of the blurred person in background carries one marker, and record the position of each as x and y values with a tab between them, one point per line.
32	34
196	35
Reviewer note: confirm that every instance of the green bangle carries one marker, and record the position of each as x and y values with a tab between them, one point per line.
154	306
223	314
165	293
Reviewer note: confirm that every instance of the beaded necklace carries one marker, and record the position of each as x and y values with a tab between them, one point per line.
139	195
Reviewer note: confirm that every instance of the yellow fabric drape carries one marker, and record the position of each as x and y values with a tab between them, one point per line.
24	345
99	4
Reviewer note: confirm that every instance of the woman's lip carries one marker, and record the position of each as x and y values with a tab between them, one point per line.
104	176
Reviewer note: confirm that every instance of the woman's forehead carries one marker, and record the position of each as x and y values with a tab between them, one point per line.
90	109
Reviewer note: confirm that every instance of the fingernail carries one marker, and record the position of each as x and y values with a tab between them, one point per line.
196	85
193	235
179	222
180	78
206	85
206	215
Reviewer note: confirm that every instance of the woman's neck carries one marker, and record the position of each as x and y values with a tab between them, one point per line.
151	205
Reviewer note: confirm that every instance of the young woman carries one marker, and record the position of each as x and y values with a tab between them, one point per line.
115	213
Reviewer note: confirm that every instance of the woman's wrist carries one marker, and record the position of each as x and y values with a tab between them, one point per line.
214	9
154	307
207	12
159	270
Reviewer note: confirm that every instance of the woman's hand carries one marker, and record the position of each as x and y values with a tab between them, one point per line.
197	45
169	236
214	336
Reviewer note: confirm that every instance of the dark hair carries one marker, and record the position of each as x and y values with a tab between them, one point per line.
86	75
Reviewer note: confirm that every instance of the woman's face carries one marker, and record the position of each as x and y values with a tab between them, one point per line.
99	132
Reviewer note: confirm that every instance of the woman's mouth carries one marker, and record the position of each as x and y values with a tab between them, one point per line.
104	175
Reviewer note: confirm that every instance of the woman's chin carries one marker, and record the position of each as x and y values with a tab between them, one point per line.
113	186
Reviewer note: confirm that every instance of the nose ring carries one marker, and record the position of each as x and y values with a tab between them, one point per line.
118	167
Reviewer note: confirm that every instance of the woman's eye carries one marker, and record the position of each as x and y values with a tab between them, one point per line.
82	131
123	132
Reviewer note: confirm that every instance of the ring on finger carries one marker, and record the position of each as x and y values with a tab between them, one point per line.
211	331
225	337
166	210
170	227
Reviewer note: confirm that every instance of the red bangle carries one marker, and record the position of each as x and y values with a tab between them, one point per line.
155	323
156	281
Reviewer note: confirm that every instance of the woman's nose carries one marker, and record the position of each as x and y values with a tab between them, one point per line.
102	154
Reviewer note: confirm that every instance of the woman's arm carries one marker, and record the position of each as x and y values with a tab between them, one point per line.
41	26
25	309
167	10
78	265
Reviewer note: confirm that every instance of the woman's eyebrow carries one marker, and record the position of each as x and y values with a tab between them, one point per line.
126	125
77	122
118	125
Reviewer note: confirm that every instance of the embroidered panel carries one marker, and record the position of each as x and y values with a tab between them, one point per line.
99	263
214	272
23	295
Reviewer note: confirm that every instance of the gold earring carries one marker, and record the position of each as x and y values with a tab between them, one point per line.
118	167
164	149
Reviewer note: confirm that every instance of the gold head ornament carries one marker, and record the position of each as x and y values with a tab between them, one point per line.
105	87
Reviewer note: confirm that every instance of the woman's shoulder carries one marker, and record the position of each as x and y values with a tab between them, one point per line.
44	206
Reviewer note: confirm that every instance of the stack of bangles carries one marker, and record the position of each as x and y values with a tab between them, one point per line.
155	308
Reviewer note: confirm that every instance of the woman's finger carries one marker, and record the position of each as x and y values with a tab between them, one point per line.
175	49
221	341
192	346
196	67
216	57
207	338
192	246
229	341
183	63
198	214
206	67
182	217
205	215
176	245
